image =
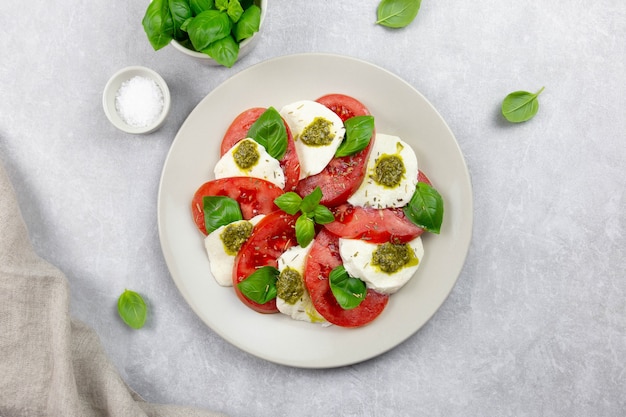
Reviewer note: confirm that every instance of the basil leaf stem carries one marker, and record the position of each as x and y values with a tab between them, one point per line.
348	291
132	309
397	13
260	286
520	106
425	209
219	211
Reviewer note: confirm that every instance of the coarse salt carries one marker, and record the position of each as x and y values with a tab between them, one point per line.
139	101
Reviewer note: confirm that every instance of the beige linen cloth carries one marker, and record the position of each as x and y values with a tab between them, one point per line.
51	364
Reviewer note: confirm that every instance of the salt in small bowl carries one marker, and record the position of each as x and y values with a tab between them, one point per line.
112	89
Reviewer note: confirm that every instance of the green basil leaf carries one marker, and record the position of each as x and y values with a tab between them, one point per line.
260	286
322	215
359	131
305	230
158	24
219	211
132	309
520	106
224	51
221	5
248	23
289	202
270	132
425	208
208	27
198	6
349	292
234	10
397	13
183	27
180	11
309	202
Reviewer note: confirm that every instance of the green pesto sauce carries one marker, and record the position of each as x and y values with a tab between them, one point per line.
289	285
234	235
391	257
318	133
246	154
389	170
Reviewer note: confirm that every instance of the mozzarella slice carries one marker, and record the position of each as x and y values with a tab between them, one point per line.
357	256
294	259
389	155
220	261
304	117
266	167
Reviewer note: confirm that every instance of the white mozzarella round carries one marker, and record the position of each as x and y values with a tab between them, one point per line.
221	262
299	115
357	255
267	167
373	194
303	309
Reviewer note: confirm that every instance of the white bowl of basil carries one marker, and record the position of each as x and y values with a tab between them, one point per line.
214	32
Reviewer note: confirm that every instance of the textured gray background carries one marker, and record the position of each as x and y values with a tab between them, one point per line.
536	325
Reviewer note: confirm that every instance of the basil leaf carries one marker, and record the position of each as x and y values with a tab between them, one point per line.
309	202
359	131
349	292
198	6
180	11
221	5
520	106
397	13
248	23
322	215
305	230
260	286
208	27
219	211
270	132
234	10
224	51
132	309
425	208
158	24
289	202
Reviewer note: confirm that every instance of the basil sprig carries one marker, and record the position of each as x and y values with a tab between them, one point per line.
260	286
348	291
520	106
219	211
359	131
312	212
132	309
425	209
397	13
270	132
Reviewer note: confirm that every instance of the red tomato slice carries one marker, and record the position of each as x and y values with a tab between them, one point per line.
324	256
342	176
238	130
272	236
254	195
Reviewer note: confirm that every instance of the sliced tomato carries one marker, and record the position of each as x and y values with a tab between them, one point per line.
342	176
254	195
238	130
324	256
272	236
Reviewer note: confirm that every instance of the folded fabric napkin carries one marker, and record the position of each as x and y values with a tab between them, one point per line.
51	364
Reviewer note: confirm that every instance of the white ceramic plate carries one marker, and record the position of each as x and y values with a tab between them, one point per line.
399	110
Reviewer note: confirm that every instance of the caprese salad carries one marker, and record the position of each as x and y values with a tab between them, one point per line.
314	214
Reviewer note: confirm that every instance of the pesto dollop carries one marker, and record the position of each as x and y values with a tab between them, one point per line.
391	257
289	285
246	154
389	170
234	235
318	133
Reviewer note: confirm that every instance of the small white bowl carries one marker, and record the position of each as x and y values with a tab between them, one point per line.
113	86
244	47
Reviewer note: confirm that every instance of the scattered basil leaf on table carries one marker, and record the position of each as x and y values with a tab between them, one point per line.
425	209
359	131
270	132
520	106
219	211
348	291
397	13
260	286
132	309
312	212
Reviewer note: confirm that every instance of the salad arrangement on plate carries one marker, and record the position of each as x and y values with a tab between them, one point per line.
314	214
